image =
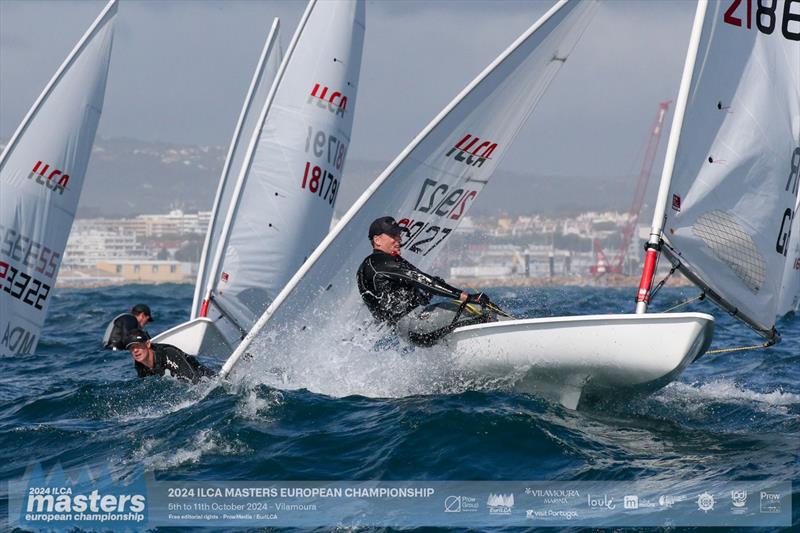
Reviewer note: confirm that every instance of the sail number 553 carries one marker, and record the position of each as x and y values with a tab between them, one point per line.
766	16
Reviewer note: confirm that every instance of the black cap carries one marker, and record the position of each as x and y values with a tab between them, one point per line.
386	225
143	308
136	336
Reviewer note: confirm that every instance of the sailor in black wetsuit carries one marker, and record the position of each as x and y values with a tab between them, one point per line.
119	328
163	359
398	293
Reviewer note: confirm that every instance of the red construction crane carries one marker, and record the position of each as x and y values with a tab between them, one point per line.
602	265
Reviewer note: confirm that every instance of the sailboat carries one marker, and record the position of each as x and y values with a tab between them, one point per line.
42	170
287	155
723	170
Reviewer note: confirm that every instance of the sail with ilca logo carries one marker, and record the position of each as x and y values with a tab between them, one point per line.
727	196
42	170
287	179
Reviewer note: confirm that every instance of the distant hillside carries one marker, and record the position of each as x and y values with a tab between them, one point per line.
128	177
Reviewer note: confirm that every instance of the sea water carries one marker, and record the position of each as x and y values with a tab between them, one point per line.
728	417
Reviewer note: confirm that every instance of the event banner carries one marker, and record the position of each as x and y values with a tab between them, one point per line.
92	500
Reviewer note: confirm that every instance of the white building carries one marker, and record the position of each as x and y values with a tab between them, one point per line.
87	247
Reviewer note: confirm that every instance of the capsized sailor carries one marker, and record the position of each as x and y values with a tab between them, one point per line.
399	294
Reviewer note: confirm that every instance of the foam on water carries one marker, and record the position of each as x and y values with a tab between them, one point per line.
345	360
252	406
160	404
726	391
152	455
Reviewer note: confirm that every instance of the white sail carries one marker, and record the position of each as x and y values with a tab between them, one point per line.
789	298
292	174
733	189
263	77
41	175
432	183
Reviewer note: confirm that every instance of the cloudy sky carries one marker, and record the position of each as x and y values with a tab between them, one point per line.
180	70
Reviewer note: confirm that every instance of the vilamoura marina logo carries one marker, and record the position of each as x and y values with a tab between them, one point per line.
82	497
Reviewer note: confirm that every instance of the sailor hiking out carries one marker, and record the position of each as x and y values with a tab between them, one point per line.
151	359
399	294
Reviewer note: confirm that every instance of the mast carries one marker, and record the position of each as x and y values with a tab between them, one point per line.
248	159
314	276
108	11
265	54
653	245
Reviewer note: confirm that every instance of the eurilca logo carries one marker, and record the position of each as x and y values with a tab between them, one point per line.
500	503
45	176
336	101
472	155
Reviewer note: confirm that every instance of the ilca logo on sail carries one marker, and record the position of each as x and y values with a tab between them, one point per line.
55	180
466	151
336	102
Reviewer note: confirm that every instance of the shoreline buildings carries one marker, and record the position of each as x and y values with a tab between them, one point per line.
165	248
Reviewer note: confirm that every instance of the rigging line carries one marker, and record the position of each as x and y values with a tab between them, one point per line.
740	348
663	281
700	297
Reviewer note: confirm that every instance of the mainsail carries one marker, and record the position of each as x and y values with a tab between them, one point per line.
41	175
288	183
730	183
789	298
432	184
245	130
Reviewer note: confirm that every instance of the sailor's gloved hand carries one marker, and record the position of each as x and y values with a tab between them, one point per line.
478	298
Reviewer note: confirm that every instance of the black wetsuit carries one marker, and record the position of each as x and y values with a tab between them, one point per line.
391	286
122	325
171	361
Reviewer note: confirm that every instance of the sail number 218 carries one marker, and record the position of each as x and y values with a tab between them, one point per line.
767	17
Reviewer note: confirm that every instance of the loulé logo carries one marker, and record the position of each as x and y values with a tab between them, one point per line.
82	497
55	180
471	152
336	102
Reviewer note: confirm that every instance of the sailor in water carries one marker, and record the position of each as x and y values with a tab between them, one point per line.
399	294
151	359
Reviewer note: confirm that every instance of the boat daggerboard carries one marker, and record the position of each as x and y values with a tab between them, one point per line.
263	77
734	184
292	175
429	187
41	175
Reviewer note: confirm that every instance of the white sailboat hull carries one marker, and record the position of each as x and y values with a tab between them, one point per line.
199	336
563	358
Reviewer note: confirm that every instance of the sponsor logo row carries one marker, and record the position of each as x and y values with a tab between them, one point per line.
737	501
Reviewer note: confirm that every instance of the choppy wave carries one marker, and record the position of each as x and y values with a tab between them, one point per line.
396	413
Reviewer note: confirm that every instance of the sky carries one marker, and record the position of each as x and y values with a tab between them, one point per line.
180	70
